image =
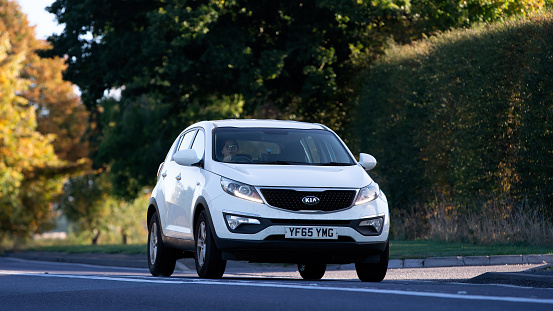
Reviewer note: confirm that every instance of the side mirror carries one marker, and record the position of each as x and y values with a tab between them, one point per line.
187	157
367	161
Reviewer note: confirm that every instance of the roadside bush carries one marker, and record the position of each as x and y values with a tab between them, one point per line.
464	115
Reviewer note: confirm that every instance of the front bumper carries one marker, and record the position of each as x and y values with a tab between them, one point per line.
266	242
352	245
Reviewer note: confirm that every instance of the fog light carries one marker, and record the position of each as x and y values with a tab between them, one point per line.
234	221
376	223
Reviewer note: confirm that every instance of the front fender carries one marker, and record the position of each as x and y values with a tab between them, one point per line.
152	209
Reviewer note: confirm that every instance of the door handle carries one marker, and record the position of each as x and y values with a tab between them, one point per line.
164	174
178	177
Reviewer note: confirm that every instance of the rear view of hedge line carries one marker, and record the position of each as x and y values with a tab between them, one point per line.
464	117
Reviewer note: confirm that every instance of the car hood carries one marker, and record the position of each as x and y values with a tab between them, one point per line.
295	175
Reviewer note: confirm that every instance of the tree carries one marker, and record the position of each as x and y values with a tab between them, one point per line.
296	60
31	174
23	151
86	204
279	59
59	109
92	210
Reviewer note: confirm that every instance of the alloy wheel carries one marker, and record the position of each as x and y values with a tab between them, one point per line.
153	243
201	247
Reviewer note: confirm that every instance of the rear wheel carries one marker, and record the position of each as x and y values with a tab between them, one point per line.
374	272
312	271
161	260
209	262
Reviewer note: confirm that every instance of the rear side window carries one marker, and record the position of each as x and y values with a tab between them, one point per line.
199	143
186	140
183	143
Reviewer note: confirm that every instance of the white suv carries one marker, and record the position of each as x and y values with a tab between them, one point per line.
266	191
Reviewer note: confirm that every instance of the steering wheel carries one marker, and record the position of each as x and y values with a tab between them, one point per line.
241	159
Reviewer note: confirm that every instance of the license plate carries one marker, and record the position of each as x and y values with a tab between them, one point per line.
311	233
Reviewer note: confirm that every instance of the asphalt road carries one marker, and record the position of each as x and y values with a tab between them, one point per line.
33	285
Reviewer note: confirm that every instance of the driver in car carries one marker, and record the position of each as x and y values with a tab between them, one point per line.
230	149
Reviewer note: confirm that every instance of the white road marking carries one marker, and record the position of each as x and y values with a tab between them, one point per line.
64	264
489	284
288	286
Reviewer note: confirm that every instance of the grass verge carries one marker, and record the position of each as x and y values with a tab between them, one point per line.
398	249
108	249
428	248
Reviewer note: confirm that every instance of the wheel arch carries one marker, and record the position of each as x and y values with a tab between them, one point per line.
201	205
152	209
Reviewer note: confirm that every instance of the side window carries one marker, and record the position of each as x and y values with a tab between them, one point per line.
184	143
186	140
198	144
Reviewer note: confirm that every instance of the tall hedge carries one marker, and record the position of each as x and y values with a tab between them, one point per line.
465	114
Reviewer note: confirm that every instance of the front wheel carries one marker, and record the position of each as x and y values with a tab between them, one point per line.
374	272
209	262
161	260
313	271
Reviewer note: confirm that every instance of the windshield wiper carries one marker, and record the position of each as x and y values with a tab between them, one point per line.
281	162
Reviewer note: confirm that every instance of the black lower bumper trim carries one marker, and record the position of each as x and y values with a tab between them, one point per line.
301	251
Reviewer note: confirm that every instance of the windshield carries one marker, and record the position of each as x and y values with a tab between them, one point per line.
279	146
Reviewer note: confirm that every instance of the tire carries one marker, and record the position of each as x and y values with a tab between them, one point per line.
374	272
161	260
209	262
313	271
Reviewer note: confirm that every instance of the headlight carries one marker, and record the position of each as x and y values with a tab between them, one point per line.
240	190
367	194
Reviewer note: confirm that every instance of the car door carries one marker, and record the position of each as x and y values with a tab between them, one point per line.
187	189
172	179
162	182
190	189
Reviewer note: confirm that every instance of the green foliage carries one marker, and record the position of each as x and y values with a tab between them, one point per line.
85	203
129	220
445	14
290	60
94	213
149	126
465	115
178	59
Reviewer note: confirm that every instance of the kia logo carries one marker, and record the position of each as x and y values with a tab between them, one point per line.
310	200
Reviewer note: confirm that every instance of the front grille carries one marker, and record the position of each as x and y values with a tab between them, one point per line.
330	200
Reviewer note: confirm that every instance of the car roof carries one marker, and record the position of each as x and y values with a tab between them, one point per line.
266	123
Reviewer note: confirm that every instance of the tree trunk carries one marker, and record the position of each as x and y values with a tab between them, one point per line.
125	237
95	236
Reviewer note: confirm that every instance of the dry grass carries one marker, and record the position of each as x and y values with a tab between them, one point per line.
488	222
483	222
